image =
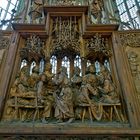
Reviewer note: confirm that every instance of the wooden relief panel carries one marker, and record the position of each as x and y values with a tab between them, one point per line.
132	49
54	88
134	63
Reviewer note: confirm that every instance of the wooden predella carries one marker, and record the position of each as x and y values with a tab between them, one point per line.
66	71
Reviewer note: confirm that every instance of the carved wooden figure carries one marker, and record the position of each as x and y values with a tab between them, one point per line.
35	12
96	11
45	93
63	98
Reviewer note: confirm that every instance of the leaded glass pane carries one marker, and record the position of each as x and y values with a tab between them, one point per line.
66	63
7	8
53	61
128	13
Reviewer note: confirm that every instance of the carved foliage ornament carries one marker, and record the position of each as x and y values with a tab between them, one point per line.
33	48
4	42
60	46
99	45
66	2
130	39
66	35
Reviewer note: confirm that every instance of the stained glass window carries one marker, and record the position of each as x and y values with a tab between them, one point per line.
23	63
41	66
53	61
128	13
77	63
7	10
66	63
97	66
106	64
32	66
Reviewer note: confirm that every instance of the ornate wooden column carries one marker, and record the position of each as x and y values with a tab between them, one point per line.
49	27
7	72
4	46
59	63
71	67
18	59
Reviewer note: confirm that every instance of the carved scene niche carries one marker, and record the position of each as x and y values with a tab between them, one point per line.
66	79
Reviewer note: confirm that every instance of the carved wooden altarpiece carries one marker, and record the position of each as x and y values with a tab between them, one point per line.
65	78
